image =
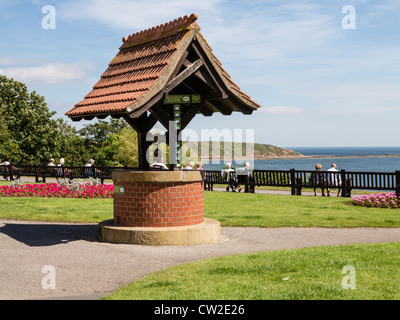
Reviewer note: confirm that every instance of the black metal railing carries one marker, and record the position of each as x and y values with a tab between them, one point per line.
296	180
42	172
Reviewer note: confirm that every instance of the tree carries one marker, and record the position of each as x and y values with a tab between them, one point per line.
28	132
75	149
120	149
100	131
6	142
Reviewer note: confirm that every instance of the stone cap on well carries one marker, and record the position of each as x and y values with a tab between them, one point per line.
156	176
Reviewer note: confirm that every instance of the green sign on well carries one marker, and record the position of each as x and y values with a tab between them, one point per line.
177	100
177	116
119	190
183	98
196	98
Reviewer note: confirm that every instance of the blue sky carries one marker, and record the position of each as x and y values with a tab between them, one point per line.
318	83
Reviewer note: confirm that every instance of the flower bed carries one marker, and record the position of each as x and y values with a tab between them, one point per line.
380	200
53	190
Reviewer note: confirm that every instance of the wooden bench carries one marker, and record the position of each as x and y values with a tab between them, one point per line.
42	172
61	172
9	171
233	181
296	180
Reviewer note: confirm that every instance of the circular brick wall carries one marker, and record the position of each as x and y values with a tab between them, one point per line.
158	199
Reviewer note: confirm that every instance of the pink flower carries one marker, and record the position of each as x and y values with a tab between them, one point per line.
53	190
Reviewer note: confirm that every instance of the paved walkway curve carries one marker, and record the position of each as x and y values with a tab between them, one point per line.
88	269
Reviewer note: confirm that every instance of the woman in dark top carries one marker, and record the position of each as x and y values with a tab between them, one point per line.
317	179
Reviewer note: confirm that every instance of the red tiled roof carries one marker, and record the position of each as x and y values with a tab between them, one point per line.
142	58
139	65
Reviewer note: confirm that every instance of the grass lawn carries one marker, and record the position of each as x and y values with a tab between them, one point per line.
299	274
260	210
307	273
231	209
57	210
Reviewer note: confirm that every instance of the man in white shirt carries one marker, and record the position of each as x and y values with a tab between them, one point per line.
159	164
190	166
334	178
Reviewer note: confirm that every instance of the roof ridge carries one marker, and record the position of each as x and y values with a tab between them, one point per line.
161	31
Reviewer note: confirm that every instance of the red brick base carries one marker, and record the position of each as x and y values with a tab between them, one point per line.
157	204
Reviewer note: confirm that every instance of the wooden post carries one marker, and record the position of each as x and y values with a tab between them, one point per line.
246	184
142	125
344	182
36	173
10	171
397	183
142	150
178	127
293	181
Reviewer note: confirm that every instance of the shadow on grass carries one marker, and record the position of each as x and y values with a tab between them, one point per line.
43	234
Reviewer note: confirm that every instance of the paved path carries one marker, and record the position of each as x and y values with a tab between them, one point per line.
88	269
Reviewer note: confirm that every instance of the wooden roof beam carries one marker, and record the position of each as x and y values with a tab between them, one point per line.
226	111
143	124
201	75
161	114
242	108
170	86
147	106
183	75
206	110
212	74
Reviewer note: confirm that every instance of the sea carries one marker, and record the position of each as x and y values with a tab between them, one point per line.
341	156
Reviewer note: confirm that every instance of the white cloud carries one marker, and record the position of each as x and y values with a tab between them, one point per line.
11	61
132	15
269	34
6	61
282	110
48	73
